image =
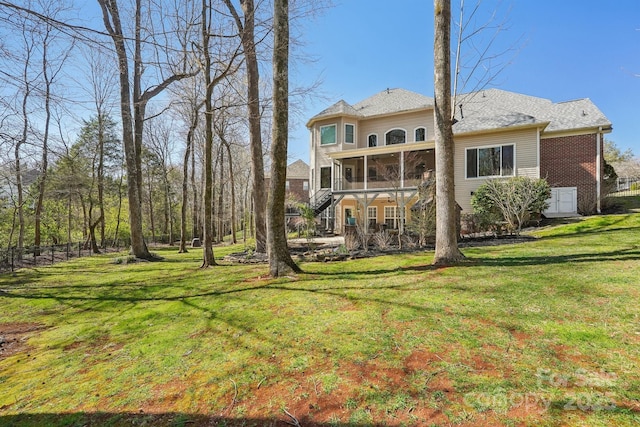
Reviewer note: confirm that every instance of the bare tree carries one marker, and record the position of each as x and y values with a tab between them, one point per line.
212	76
478	59
102	79
193	119
246	28
280	262
160	143
446	251
133	103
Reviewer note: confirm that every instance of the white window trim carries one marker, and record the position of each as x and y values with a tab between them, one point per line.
425	133
320	187
466	150
320	135
394	218
391	130
375	209
377	141
345	133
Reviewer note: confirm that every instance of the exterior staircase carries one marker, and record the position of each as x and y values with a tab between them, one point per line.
322	201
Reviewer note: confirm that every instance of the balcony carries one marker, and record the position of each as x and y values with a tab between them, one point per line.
383	172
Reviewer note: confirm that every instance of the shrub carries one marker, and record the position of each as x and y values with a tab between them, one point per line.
513	200
382	240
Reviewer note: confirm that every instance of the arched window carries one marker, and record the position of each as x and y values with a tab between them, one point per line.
373	140
420	134
395	136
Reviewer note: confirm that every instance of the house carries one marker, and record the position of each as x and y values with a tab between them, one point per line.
368	159
296	185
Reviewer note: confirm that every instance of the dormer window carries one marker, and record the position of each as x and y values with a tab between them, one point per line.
395	136
420	134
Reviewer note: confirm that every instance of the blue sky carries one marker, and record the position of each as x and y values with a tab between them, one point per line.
569	49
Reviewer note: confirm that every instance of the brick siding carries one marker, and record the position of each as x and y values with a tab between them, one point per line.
571	161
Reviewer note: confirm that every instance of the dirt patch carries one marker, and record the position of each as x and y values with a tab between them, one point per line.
14	336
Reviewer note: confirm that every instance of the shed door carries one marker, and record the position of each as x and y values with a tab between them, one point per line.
563	201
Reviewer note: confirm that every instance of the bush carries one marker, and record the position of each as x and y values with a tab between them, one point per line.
512	200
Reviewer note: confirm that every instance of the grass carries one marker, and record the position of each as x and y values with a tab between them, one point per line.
541	333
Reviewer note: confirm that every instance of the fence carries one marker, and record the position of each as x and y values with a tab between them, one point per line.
627	186
33	256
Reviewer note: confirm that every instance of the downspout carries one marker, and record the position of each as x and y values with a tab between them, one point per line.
598	171
538	152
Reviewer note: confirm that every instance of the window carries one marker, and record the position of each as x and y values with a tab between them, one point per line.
395	136
348	174
373	140
390	217
325	177
421	134
286	185
349	131
305	186
327	134
372	216
372	173
490	161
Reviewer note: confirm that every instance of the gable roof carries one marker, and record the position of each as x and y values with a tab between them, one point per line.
298	170
495	108
393	101
388	101
480	111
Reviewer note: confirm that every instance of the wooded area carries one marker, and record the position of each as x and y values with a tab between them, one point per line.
143	123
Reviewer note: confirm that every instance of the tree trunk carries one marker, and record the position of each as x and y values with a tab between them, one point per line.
220	209
152	222
119	214
42	180
280	262
208	258
111	17
101	141
233	193
196	227
185	181
447	251
247	34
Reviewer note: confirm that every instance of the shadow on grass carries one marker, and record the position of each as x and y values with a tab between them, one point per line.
158	420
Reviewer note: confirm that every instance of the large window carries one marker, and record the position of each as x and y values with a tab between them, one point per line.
327	134
490	161
349	131
395	136
373	140
325	177
421	134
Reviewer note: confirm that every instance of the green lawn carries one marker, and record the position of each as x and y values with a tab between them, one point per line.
540	333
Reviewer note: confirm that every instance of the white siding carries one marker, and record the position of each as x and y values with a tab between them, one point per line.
526	159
